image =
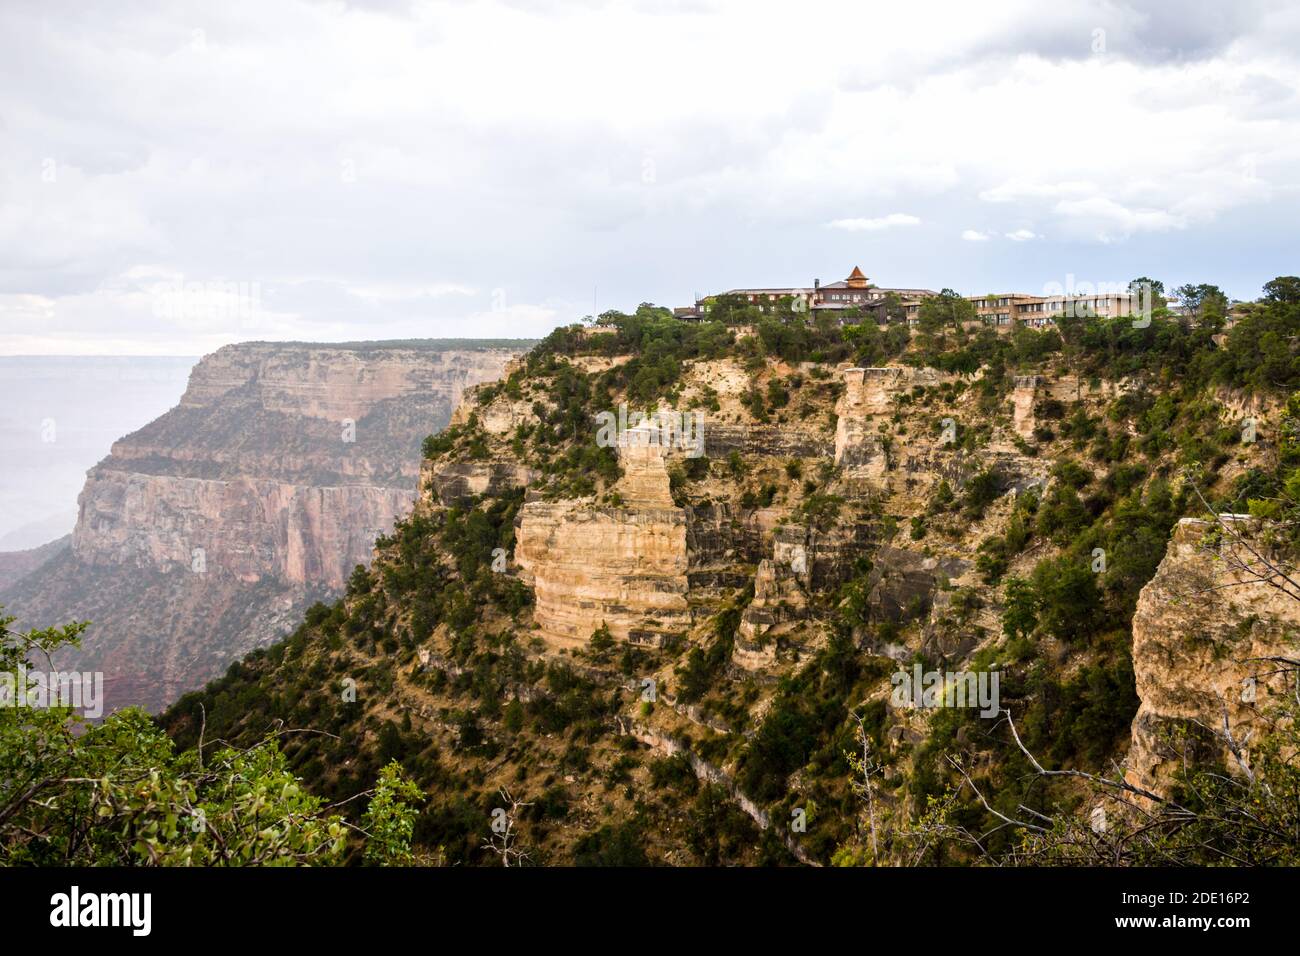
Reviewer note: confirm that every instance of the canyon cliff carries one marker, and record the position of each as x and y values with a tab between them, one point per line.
642	634
637	586
1210	634
206	533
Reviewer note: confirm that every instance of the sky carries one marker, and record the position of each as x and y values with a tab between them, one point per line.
175	177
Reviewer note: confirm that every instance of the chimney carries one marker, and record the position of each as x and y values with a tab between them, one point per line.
817	284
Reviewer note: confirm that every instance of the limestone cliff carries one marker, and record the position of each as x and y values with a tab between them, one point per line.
247	528
870	448
622	566
1023	396
869	395
1203	634
778	602
206	533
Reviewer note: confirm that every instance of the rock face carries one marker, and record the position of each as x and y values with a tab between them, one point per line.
337	383
823	559
206	533
723	545
1199	633
778	601
244	527
1023	396
868	392
904	583
777	441
456	483
868	399
865	451
624	566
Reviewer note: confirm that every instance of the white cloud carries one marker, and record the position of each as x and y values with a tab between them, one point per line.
876	224
397	292
1022	235
1020	190
378	168
974	235
1106	220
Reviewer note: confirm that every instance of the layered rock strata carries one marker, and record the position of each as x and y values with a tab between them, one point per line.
868	451
207	533
870	398
621	566
778	602
1205	637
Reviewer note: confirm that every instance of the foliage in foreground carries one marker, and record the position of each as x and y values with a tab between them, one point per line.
118	794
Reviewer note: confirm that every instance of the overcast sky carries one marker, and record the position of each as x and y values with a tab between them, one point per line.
177	176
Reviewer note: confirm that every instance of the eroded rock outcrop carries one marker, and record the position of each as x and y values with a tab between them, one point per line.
777	441
870	452
868	394
456	483
1023	396
778	602
869	399
1202	635
903	582
724	545
622	566
824	558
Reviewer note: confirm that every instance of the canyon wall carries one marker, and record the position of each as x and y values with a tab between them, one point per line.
244	527
1203	635
869	450
207	532
621	566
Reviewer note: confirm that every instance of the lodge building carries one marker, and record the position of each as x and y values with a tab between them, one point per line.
887	304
